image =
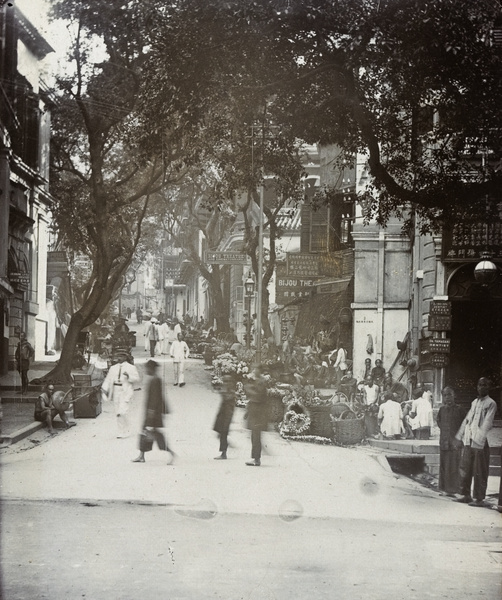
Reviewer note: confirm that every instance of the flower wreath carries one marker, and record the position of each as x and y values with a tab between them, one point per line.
294	423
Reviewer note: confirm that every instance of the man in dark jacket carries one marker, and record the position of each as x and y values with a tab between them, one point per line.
225	414
23	356
257	413
156	407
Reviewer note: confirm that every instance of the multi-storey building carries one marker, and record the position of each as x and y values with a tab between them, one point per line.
431	308
25	200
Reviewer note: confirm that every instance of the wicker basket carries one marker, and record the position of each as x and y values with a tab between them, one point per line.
349	431
276	409
320	421
339	408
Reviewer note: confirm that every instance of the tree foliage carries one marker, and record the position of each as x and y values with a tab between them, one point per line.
101	177
413	84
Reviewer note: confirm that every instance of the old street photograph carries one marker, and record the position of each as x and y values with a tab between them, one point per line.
251	299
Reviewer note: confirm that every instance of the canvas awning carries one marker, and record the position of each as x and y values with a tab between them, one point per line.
321	312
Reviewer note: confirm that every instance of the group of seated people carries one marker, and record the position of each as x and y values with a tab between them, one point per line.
394	414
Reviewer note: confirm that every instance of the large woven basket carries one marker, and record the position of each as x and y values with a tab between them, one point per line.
320	421
276	409
349	431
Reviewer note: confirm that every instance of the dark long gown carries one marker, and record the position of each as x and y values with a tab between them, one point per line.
449	419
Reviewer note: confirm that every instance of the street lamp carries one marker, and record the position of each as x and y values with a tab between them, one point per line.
485	272
249	289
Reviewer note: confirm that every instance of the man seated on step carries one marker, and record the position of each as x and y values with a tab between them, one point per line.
45	411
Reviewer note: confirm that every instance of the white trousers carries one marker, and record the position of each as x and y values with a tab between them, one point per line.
179	372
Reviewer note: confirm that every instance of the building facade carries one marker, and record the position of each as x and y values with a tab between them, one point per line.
25	201
420	308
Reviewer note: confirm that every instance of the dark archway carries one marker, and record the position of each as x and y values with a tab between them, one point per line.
476	335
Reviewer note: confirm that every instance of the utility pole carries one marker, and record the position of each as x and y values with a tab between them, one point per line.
263	128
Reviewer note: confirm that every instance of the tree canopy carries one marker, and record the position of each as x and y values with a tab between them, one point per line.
413	84
101	177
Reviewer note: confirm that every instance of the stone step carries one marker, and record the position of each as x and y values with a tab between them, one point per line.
10	397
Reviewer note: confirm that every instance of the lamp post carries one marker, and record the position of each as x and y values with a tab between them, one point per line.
249	288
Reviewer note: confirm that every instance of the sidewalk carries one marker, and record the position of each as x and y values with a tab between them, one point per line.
16	408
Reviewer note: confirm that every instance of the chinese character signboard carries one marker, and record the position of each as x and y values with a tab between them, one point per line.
435	352
303	265
467	241
440	316
19	279
439	360
439	323
330	264
288	289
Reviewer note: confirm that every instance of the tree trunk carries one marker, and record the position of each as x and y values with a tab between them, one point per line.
265	323
219	303
102	293
61	373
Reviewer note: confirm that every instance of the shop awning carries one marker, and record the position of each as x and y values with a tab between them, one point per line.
321	312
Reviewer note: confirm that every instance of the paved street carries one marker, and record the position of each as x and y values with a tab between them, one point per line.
129	551
79	519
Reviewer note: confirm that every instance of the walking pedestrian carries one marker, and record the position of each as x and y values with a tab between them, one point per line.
449	419
139	315
179	353
119	387
475	457
225	414
164	334
257	413
151	336
155	408
24	355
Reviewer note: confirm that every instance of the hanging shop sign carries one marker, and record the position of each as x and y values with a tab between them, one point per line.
303	265
439	360
288	289
434	352
225	258
467	240
440	316
437	345
21	279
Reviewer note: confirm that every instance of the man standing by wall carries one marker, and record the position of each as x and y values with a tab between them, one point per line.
475	458
179	352
24	355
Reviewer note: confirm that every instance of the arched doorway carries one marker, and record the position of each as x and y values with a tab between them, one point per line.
476	334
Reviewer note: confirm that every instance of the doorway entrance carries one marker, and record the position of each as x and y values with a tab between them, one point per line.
476	335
